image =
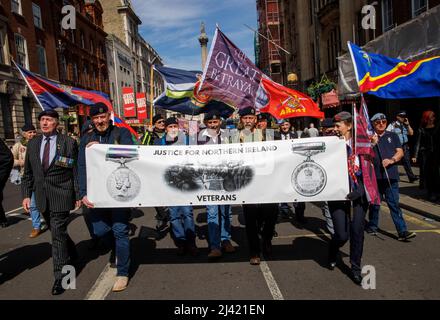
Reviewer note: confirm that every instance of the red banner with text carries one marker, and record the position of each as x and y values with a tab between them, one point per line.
141	100
129	105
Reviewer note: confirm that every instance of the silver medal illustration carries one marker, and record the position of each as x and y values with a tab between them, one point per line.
309	178
123	184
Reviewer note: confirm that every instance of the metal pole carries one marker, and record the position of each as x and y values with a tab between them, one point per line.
151	89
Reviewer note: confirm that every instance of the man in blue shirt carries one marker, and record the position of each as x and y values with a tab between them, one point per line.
388	152
403	129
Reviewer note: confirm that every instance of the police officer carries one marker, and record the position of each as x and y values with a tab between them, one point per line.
347	226
257	216
219	232
109	224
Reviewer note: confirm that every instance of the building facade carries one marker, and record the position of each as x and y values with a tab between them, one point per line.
120	70
121	22
31	34
26	37
316	31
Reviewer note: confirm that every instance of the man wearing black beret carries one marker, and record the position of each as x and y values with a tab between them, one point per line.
50	171
109	224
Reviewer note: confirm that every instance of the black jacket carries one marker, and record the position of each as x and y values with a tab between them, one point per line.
290	134
6	161
57	189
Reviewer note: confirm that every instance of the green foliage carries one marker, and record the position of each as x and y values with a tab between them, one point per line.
316	89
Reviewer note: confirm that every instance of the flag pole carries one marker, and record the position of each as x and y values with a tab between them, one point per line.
151	93
25	80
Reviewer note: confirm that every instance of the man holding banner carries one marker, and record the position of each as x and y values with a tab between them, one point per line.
109	223
219	232
259	218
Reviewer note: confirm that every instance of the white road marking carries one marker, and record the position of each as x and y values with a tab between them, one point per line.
103	284
270	281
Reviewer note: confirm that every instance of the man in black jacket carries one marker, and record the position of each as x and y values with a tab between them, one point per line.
50	171
6	163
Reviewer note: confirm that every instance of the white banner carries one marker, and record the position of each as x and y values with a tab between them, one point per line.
303	170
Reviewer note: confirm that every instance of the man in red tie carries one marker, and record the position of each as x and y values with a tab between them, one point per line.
50	171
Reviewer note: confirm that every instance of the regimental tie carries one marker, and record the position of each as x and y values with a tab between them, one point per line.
46	153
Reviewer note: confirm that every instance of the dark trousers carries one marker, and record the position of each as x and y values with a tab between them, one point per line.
62	245
300	208
2	210
429	172
406	161
259	218
346	228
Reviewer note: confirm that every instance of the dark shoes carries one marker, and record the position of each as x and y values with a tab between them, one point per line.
371	231
57	288
4	224
405	236
413	179
161	225
357	278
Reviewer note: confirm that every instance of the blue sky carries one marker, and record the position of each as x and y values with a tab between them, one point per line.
173	26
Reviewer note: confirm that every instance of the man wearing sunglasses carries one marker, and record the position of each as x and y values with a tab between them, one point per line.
388	152
157	131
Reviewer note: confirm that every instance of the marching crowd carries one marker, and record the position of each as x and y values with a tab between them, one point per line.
52	170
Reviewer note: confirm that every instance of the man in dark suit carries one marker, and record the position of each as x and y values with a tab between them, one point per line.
51	172
6	163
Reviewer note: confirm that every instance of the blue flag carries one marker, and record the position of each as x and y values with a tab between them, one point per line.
181	95
391	78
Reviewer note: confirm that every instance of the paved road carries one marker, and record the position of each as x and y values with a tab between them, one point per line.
297	271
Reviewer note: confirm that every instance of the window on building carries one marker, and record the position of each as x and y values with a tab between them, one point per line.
2	46
21	48
64	67
16	6
83	40
387	15
85	75
75	71
334	47
418	7
38	22
8	125
72	35
27	110
42	62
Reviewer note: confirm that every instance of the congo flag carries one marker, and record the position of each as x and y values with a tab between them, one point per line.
391	78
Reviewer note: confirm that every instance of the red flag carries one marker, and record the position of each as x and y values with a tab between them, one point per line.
141	106
286	103
364	149
128	98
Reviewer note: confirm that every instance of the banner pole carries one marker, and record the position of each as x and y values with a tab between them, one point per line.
151	94
30	88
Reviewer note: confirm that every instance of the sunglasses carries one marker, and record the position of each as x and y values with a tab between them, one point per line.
380	121
160	121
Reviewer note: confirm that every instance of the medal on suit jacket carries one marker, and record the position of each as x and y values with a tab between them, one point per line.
123	184
309	178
